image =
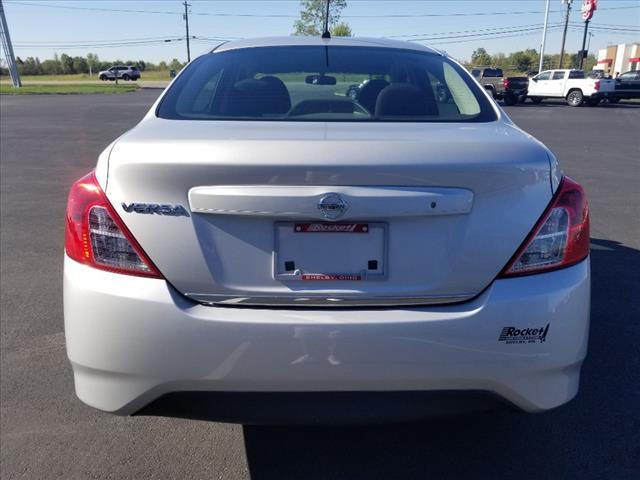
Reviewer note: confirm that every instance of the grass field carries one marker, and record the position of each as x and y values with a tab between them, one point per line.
43	88
81	78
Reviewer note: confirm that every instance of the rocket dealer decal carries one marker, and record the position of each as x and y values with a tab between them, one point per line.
512	335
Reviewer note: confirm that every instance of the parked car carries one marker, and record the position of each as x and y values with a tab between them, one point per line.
627	86
124	72
570	85
260	247
514	90
489	78
510	90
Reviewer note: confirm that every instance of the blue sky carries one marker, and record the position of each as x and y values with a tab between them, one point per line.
45	27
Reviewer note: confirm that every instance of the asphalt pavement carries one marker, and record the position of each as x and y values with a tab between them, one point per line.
46	142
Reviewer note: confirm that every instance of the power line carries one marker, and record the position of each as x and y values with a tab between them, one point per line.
495	37
155	12
115	43
462	31
267	15
576	28
478	35
608	29
481	36
472	14
111	40
613	25
96	9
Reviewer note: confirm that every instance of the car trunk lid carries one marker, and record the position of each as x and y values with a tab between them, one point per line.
443	208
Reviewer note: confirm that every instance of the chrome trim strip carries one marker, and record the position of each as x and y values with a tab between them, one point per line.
305	202
324	301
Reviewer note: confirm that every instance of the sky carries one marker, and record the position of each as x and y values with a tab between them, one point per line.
137	30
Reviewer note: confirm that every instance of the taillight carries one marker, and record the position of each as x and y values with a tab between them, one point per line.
505	82
596	85
559	239
96	236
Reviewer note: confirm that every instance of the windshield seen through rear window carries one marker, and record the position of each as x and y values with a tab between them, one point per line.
318	83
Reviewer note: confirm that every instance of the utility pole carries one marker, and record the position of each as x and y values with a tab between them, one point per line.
7	47
544	37
564	33
186	22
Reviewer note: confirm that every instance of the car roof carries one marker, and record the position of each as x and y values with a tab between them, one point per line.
318	41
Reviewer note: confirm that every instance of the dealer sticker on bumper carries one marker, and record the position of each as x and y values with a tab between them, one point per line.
511	335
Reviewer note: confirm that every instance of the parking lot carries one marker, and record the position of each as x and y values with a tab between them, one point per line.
48	141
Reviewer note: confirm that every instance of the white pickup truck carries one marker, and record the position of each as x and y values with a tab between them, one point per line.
570	85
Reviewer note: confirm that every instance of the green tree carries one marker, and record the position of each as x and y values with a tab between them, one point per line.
176	65
50	67
66	63
312	13
523	61
500	60
342	29
480	57
80	65
30	66
589	62
93	62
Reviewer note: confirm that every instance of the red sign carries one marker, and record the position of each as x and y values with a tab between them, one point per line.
331	228
588	7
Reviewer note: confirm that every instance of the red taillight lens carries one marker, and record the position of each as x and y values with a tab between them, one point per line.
505	83
559	239
96	236
596	85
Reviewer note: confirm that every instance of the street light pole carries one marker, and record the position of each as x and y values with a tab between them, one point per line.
564	34
583	54
544	37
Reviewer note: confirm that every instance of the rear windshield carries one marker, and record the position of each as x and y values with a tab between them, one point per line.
492	72
318	83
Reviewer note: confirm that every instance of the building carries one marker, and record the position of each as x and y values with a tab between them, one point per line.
618	59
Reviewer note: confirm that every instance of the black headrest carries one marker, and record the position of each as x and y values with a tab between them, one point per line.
369	93
257	97
404	99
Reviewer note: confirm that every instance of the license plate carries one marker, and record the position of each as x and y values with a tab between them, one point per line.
322	252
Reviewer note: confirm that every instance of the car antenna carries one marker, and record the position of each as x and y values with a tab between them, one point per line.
326	33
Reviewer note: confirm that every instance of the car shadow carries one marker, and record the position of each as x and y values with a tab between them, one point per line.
594	436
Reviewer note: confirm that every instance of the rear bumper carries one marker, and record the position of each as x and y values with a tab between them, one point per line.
625	95
132	340
617	94
513	93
